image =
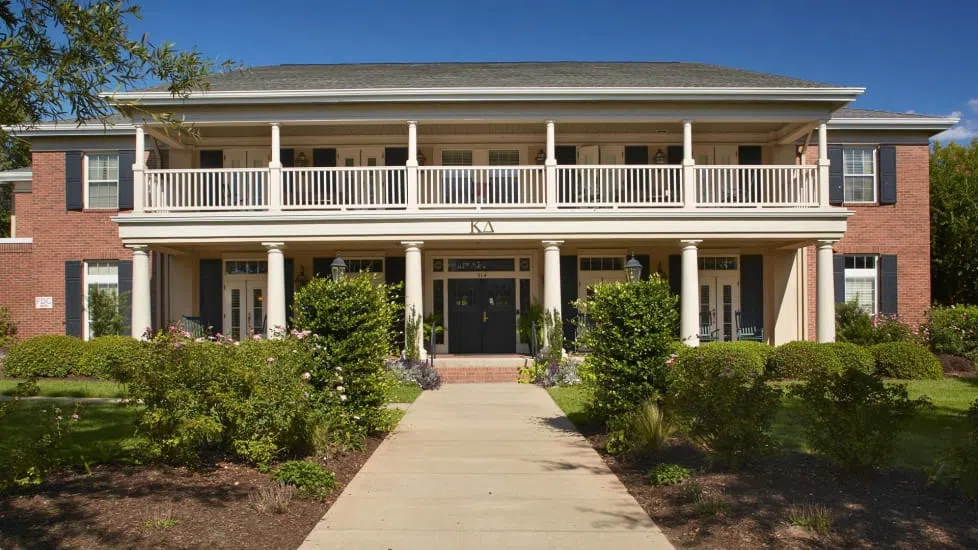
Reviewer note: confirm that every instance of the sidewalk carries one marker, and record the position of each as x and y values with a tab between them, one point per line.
489	466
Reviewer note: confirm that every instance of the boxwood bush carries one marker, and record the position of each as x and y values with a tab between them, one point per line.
853	356
797	359
907	361
52	356
111	357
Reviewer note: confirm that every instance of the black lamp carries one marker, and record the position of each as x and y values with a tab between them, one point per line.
301	280
420	158
300	160
660	157
633	270
338	267
541	157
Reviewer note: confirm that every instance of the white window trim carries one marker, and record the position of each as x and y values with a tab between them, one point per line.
866	273
94	280
876	172
85	190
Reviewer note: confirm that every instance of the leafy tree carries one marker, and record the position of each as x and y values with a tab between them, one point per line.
954	223
105	309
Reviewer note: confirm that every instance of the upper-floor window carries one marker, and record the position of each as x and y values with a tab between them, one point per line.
862	282
456	157
859	174
504	157
102	180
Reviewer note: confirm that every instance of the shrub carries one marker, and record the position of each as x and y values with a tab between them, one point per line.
531	318
642	431
669	474
853	325
852	417
952	330
891	329
906	361
349	322
105	310
721	392
111	357
44	356
797	359
630	339
955	364
421	373
853	356
8	329
311	479
27	464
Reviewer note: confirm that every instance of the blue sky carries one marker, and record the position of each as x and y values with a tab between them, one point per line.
909	55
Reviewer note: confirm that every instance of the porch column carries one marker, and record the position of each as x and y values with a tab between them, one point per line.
140	299
824	293
689	167
823	165
551	278
412	166
138	172
275	172
550	167
413	298
275	294
689	330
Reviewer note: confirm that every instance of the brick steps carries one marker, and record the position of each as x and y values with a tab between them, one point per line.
479	374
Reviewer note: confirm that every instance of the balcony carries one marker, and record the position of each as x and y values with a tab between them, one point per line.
481	188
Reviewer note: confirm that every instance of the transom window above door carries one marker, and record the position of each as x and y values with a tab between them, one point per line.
374	265
602	263
246	267
718	263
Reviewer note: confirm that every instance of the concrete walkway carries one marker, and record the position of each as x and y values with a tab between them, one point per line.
493	466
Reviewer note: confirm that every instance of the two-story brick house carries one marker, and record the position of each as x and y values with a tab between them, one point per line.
484	187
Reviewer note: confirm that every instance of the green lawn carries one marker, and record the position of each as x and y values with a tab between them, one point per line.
928	436
104	431
57	387
405	393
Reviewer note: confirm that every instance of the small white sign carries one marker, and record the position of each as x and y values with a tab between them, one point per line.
43	302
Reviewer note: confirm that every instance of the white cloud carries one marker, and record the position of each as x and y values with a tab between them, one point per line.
966	130
973	104
910	112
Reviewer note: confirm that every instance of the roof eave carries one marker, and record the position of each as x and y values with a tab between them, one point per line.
934	124
62	130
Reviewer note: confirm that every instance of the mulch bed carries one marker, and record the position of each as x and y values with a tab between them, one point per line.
884	510
110	508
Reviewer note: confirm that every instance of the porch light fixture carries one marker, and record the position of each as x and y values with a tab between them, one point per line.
633	270
301	161
420	158
660	157
338	267
301	280
541	157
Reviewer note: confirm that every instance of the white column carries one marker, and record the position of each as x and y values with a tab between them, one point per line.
823	165
413	298
138	174
140	299
689	311
412	166
689	167
824	293
551	276
275	293
550	167
275	172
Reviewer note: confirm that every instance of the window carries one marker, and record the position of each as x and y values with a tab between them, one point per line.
504	157
246	267
102	275
720	263
365	266
605	263
862	282
456	157
102	178
859	174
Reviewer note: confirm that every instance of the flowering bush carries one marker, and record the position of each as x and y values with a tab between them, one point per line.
855	326
952	330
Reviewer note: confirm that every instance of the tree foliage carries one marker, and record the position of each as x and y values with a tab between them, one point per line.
954	223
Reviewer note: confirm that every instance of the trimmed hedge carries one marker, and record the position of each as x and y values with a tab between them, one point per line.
907	361
110	357
799	359
746	356
854	356
44	356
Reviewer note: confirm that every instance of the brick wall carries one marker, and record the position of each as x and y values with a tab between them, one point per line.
59	235
902	229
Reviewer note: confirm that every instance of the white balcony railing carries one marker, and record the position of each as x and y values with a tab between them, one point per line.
610	186
481	187
206	189
757	186
358	188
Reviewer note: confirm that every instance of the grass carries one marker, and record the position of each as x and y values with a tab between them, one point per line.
405	393
58	387
931	434
813	517
104	432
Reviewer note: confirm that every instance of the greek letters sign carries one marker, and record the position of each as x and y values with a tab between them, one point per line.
481	226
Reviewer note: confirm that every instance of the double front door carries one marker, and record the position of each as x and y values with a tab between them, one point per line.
244	306
482	315
719	302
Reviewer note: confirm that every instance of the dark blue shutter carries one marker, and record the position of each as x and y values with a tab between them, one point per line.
888	175
287	157
839	277
566	154
837	192
320	267
125	295
211	292
73	180
636	154
212	158
749	155
73	298
395	156
674	154
394	270
644	260
752	290
126	160
289	290
888	284
676	274
324	158
568	295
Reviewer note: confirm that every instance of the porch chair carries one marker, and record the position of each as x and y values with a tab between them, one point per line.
707	331
748	329
193	325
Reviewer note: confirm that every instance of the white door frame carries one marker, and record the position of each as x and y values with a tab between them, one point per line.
716	280
245	284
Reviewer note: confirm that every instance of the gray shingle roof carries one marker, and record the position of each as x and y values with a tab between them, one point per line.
872	113
564	74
